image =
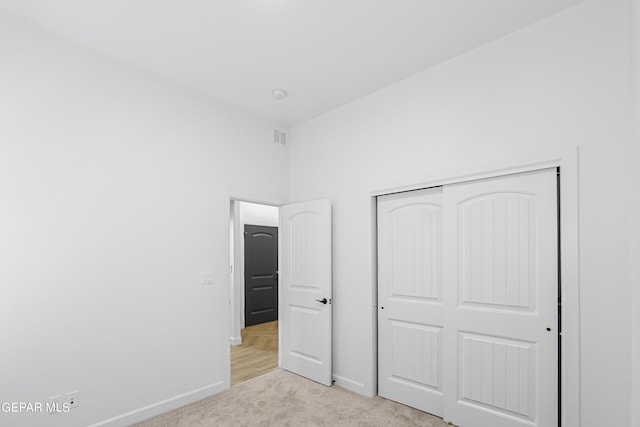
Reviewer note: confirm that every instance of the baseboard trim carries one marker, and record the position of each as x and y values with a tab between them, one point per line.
351	385
163	406
235	341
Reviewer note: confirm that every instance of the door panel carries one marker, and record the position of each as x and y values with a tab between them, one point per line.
500	249
260	274
410	311
305	321
497	243
497	373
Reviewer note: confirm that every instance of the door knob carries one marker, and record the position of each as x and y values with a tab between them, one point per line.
323	300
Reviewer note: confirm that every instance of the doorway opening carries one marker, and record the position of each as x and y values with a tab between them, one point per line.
253	289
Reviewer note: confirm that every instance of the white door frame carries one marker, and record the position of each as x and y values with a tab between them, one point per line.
237	289
227	197
567	161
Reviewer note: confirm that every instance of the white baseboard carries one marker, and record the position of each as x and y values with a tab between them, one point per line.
163	406
352	385
235	341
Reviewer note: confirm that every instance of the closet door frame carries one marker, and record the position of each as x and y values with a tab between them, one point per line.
567	163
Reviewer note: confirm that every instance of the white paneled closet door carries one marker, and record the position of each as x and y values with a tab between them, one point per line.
467	296
410	299
501	291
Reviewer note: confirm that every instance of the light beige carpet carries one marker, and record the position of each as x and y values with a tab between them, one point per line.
281	398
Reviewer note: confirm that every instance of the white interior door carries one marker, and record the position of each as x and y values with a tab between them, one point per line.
305	304
500	245
410	308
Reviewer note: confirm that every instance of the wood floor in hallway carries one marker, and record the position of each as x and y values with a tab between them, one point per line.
258	353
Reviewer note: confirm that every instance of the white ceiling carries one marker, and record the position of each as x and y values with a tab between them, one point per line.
325	53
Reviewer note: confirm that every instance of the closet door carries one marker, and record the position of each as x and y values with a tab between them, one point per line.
410	308
500	246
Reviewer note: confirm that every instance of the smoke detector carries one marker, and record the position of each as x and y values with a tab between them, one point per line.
279	94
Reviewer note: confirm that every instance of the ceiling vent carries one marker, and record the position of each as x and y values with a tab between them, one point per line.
279	137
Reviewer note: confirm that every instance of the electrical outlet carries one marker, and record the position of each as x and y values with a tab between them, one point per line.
55	404
72	398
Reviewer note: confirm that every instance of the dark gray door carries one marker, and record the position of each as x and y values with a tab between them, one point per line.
260	274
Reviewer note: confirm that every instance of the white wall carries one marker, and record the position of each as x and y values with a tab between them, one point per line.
111	189
550	87
256	214
253	214
635	214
